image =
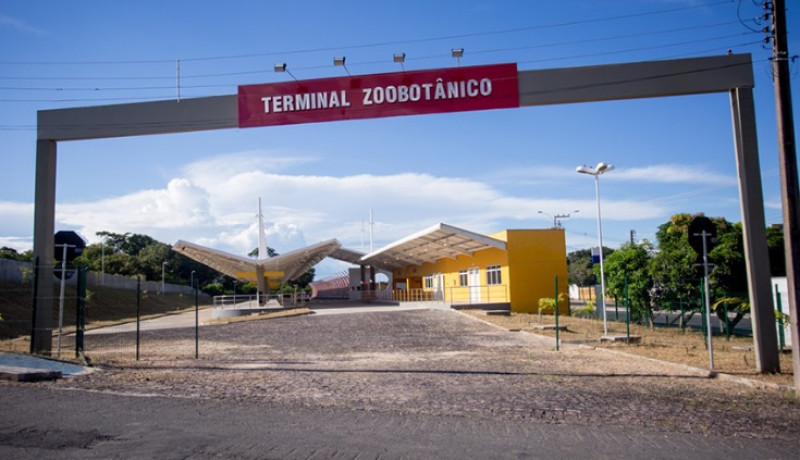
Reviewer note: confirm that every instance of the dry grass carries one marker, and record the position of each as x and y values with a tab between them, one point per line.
735	357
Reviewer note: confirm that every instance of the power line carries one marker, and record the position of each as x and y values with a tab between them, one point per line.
377	44
148	88
436	56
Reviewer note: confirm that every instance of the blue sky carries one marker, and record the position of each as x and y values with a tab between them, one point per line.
483	171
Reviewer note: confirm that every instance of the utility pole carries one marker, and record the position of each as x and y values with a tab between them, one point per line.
787	157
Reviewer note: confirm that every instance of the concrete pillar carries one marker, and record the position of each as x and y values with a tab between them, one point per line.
44	217
263	287
754	233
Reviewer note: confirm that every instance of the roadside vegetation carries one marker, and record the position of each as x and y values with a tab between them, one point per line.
133	255
664	276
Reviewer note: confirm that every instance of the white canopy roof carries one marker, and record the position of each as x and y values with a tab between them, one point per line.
440	241
292	264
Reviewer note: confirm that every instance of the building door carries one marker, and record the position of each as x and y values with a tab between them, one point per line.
474	282
438	286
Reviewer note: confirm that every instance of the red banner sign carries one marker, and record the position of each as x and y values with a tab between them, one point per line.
380	95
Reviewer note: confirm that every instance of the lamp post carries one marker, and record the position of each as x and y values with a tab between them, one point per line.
556	217
596	172
191	279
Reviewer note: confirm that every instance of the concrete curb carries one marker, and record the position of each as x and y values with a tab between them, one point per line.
27	374
20	367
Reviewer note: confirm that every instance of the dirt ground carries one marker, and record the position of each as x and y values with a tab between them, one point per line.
734	356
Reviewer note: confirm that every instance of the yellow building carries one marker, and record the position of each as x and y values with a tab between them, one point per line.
512	268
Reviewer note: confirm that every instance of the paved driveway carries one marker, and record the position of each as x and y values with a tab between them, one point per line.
414	384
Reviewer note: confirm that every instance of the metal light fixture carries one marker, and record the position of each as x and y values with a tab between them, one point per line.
281	68
457	53
339	62
596	172
400	58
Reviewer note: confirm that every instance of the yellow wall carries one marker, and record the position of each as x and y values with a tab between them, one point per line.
535	257
527	270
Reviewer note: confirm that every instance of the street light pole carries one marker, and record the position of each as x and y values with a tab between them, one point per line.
596	172
556	217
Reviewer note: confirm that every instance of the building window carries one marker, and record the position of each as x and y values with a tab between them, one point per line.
428	281
493	275
462	278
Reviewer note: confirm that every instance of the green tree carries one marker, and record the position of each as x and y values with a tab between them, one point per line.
631	261
12	254
675	279
579	266
777	255
133	254
729	276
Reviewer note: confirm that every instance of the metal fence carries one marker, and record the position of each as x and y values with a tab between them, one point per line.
15	271
106	311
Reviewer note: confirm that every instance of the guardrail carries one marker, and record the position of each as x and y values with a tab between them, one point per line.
247	300
472	295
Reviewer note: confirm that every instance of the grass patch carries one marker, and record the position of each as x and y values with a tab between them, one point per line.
671	344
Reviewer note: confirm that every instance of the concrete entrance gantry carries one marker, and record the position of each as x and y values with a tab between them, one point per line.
732	74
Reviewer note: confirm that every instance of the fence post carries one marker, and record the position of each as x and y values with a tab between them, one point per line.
138	312
627	314
703	310
80	311
727	324
33	296
683	319
555	309
196	324
781	336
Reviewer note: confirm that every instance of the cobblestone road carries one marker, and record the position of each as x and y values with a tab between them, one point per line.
438	363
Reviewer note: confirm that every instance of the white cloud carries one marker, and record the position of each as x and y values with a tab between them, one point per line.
659	173
18	24
16	218
20	244
673	174
214	204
